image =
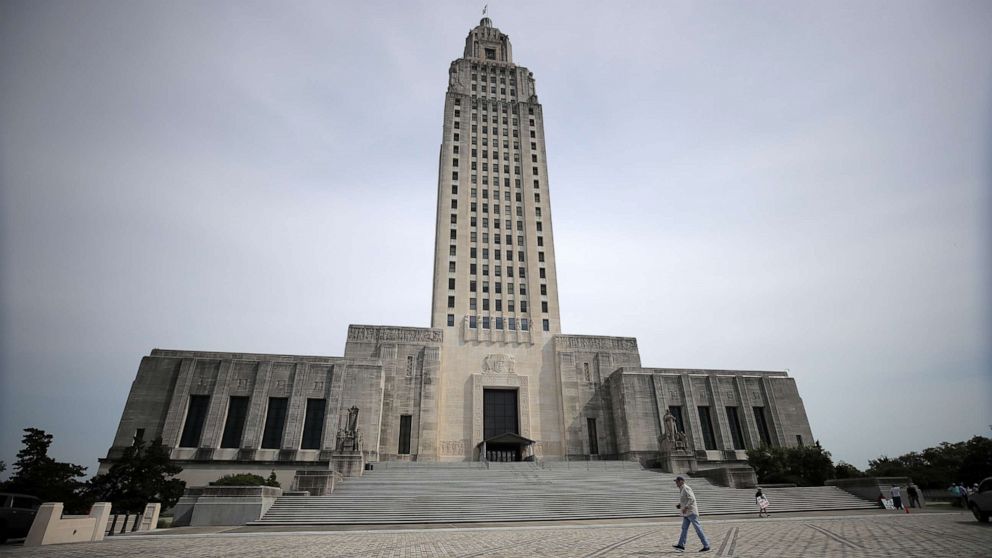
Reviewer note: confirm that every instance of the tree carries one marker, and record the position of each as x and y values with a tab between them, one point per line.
37	474
804	465
143	474
939	466
843	470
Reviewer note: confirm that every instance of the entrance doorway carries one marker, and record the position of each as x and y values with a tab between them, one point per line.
499	417
499	412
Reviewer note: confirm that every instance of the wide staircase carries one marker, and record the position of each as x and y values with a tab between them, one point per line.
410	492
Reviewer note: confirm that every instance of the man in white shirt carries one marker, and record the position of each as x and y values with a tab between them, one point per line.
690	514
896	496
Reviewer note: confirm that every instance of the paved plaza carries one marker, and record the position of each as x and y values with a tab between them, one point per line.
848	535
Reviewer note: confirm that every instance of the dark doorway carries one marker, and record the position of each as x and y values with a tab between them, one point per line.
499	412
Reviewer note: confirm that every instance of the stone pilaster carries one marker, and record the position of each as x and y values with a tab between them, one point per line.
177	404
427	448
297	407
213	426
752	439
256	408
718	416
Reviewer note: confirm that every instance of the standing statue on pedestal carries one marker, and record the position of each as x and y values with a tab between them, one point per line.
670	427
350	437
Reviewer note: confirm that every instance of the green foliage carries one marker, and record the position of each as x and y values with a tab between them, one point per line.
37	474
271	481
939	466
247	479
804	466
143	474
844	470
241	479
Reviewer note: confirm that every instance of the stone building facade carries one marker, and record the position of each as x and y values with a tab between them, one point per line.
494	361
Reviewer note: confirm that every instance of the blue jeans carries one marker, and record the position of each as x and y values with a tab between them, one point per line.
694	519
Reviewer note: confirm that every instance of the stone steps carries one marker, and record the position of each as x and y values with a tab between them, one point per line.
473	492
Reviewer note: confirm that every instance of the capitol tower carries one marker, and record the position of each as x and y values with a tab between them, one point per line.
495	284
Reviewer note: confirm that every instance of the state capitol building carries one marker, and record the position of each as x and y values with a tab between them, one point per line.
493	377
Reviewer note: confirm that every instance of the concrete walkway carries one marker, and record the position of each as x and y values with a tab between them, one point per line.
850	535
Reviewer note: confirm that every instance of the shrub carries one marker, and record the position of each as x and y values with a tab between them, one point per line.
241	479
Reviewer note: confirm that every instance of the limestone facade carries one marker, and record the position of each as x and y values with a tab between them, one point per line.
494	326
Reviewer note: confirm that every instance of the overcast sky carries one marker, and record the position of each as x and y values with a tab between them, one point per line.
743	185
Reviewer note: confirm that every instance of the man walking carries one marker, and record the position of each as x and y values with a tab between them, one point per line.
690	514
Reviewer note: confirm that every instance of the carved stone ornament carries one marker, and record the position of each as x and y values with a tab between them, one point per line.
498	364
402	334
583	343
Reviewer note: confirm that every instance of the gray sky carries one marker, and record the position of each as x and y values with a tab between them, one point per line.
754	185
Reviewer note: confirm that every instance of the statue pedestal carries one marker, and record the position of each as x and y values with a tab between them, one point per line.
673	459
348	463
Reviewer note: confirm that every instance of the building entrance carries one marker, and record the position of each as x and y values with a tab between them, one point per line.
499	412
500	416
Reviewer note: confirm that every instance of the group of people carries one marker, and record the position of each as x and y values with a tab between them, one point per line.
690	513
895	493
959	494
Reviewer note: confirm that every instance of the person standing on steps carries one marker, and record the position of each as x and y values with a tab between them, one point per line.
690	515
762	502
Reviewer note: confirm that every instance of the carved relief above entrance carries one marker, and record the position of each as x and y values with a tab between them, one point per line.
498	363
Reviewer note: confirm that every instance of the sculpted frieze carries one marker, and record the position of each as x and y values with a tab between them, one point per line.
622	344
498	363
412	335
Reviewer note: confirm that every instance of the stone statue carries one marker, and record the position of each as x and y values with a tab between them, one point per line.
353	419
350	437
681	443
670	427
